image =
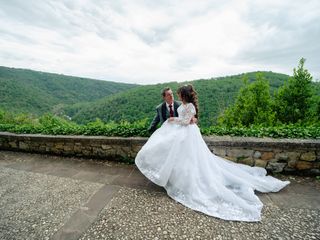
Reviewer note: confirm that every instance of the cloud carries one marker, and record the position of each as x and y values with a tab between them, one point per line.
285	31
159	41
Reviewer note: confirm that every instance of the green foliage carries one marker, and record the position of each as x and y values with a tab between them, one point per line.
123	129
55	125
21	118
50	124
253	105
297	101
280	131
293	101
314	111
36	92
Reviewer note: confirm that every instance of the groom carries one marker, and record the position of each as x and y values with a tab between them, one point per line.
166	110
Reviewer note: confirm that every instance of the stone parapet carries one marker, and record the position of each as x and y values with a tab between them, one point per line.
299	156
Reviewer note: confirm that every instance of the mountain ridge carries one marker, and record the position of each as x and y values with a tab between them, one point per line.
25	90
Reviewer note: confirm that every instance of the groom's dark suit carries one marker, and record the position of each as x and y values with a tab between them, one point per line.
162	115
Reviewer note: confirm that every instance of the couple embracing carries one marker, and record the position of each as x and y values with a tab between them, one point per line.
167	109
177	158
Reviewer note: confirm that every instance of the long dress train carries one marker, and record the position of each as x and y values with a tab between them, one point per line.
177	158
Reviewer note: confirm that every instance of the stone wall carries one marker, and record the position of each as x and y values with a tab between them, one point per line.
276	155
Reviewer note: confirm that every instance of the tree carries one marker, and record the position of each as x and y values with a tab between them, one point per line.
253	105
314	113
293	99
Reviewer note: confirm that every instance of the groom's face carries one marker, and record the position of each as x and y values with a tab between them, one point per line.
168	97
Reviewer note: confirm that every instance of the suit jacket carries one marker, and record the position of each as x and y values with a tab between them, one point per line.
162	115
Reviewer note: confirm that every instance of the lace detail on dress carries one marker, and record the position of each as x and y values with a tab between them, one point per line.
218	207
185	113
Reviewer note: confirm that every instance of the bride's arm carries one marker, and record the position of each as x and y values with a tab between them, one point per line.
186	117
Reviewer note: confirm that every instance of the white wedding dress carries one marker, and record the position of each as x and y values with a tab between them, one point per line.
177	158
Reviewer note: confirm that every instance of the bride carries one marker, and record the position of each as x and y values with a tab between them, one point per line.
177	158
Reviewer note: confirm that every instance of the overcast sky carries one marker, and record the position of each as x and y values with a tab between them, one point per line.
159	41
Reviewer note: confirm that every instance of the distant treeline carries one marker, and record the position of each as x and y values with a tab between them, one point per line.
27	91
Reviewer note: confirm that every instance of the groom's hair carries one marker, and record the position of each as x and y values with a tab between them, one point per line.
163	92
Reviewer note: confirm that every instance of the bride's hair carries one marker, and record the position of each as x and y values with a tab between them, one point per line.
189	94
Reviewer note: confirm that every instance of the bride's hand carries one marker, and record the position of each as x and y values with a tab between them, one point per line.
193	120
171	119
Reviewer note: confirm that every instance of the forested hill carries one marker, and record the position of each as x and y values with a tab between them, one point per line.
138	103
36	92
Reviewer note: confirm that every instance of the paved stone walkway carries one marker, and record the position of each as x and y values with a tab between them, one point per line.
50	197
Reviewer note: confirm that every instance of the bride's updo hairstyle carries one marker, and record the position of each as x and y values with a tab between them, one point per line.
189	95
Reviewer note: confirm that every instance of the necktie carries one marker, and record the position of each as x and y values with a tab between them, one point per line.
171	111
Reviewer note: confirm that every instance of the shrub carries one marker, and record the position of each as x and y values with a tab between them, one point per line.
253	105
